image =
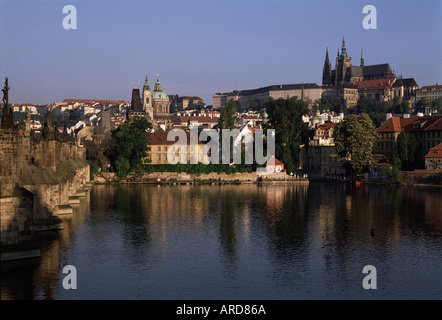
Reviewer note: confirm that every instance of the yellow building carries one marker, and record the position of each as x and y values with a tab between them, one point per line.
161	148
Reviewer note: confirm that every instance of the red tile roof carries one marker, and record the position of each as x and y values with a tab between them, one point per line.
277	162
436	87
375	84
94	101
159	137
200	119
425	123
435	152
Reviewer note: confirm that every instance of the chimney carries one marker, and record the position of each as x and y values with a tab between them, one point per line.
389	116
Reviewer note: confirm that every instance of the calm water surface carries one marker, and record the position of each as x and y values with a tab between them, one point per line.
240	242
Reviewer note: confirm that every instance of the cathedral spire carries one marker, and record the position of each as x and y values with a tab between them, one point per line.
157	84
343	49
146	84
362	57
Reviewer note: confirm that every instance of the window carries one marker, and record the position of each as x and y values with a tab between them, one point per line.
159	158
159	148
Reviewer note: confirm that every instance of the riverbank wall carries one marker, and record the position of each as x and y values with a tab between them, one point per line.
206	178
37	179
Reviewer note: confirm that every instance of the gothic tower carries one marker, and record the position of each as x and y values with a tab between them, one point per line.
147	100
327	78
362	57
343	66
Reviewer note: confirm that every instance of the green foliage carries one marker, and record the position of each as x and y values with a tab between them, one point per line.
199	168
422	104
375	110
227	119
406	151
122	165
131	145
400	107
355	137
285	116
396	170
100	150
332	103
392	172
254	104
437	106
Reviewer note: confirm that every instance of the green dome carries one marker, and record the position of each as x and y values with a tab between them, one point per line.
159	95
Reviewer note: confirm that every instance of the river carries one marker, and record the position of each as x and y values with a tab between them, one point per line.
284	242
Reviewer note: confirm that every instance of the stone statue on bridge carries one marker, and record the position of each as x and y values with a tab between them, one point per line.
7	115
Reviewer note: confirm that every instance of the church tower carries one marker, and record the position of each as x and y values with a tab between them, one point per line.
343	66
327	78
362	57
147	100
160	102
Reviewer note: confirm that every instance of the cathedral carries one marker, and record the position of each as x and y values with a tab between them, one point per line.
156	103
346	73
346	79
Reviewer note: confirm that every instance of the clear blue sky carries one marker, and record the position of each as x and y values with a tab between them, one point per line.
200	47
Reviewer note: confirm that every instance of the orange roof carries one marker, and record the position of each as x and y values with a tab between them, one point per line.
391	125
199	119
435	152
436	87
424	123
94	101
375	83
327	125
277	162
159	137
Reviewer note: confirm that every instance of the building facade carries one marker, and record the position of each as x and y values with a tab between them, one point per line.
307	92
429	92
426	130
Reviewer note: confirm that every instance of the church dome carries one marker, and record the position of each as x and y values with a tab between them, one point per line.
158	93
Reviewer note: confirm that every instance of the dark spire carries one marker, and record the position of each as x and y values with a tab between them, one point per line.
136	101
327	70
343	49
362	57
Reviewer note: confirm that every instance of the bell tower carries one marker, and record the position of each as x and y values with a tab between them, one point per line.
147	100
327	78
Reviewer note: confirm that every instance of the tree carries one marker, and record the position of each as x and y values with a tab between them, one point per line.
285	116
437	106
131	145
406	150
227	119
254	104
332	103
355	137
422	104
403	107
190	105
375	110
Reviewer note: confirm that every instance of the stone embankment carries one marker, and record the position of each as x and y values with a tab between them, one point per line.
209	178
38	179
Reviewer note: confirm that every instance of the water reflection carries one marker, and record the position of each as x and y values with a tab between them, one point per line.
240	242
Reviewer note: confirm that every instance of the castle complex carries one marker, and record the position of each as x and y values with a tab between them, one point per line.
346	73
346	81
